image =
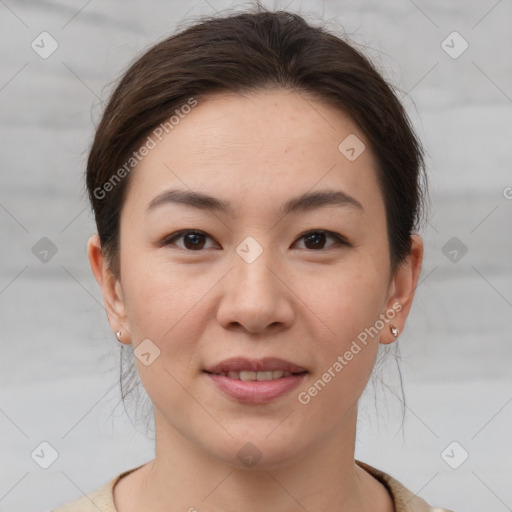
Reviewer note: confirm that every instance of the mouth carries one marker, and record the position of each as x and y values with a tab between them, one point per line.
246	375
255	381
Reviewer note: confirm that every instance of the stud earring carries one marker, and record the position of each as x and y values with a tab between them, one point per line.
394	330
118	335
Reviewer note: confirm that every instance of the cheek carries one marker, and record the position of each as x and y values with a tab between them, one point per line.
346	345
345	300
347	341
167	305
161	306
165	308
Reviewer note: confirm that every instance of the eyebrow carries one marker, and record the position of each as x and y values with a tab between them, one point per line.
305	202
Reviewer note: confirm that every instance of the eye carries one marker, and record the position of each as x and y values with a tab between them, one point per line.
316	239
193	240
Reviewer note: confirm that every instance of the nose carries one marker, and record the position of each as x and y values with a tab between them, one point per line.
256	296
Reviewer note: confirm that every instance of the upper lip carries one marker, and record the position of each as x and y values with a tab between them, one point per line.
237	364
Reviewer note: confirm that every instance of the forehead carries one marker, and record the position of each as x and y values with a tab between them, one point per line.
258	148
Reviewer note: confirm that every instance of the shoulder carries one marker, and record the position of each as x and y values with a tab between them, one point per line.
101	499
404	499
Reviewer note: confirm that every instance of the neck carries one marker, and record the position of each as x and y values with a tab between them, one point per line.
185	477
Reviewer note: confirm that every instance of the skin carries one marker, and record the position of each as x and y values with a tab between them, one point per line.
295	301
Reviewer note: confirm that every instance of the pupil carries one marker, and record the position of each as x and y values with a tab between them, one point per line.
195	237
318	238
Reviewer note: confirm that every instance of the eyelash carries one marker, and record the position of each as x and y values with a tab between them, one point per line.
180	234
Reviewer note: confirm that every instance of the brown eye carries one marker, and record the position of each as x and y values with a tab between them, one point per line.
315	240
192	240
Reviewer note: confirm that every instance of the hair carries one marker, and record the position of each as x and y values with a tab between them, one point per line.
248	52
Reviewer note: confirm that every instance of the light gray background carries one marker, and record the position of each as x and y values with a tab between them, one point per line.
59	361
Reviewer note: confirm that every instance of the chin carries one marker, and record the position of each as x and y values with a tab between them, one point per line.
259	449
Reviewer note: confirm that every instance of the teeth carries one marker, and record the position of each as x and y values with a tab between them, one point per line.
259	376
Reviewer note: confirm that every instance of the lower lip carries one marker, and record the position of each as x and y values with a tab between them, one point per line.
255	391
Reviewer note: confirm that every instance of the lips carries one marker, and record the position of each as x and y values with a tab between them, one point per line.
268	364
255	381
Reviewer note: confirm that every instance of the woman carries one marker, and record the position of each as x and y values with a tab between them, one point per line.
256	187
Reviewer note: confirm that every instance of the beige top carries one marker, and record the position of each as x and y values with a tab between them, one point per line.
103	499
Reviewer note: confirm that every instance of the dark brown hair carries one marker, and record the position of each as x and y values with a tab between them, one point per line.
245	52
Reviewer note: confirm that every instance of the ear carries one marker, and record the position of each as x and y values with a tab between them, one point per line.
402	288
111	288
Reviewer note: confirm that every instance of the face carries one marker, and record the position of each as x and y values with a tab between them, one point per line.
255	279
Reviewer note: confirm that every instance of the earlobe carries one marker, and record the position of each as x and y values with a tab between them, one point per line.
401	291
111	289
